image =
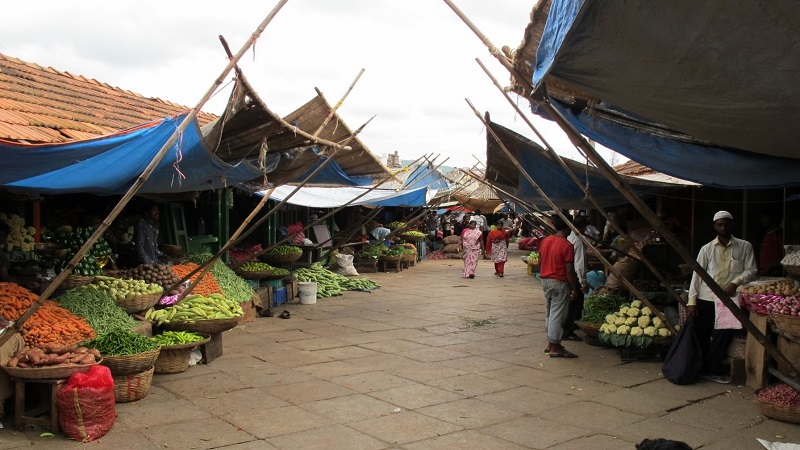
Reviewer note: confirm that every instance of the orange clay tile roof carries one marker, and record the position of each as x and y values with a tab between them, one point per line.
43	105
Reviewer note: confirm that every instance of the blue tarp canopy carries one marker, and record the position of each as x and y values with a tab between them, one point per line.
111	164
550	177
704	91
426	176
333	174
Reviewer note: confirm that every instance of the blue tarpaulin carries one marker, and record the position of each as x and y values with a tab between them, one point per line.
705	91
426	176
111	164
327	197
332	173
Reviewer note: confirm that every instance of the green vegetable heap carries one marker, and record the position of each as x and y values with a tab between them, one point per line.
414	234
196	307
168	338
98	308
283	250
232	285
597	307
74	240
396	225
252	266
121	289
121	342
330	284
374	251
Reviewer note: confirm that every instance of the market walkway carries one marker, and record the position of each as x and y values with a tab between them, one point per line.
430	361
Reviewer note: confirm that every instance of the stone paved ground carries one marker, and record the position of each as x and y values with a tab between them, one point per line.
430	361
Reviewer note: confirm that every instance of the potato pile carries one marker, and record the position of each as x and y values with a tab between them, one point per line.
160	274
53	356
785	288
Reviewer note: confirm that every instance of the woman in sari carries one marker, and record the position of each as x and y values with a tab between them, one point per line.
498	242
471	242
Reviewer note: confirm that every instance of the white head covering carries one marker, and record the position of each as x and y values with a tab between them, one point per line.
722	215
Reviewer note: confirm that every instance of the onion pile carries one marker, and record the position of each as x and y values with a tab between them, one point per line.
780	394
784	305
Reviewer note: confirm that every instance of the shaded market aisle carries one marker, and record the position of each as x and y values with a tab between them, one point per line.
429	361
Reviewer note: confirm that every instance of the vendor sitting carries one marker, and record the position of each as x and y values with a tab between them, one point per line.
379	233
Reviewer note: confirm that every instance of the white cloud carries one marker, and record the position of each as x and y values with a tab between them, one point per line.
418	55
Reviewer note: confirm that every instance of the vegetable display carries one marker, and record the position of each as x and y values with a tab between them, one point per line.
53	356
94	260
632	325
207	286
782	305
330	284
176	338
160	274
785	288
374	251
780	394
253	266
97	307
791	259
283	250
19	236
121	343
196	307
121	289
395	225
414	234
597	307
232	285
49	325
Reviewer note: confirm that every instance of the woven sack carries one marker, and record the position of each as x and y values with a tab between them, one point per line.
451	248
452	240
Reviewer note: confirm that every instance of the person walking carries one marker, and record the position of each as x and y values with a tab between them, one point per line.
575	309
731	263
497	247
471	242
560	285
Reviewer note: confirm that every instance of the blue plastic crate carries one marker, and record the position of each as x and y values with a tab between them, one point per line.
278	296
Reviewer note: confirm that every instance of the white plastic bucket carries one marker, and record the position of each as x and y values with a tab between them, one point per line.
307	291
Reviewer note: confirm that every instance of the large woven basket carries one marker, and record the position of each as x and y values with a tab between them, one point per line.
131	364
139	302
129	388
210	326
175	358
591	329
783	413
48	373
411	237
73	281
787	324
409	257
279	259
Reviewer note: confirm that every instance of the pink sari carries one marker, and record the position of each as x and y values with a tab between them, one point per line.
471	244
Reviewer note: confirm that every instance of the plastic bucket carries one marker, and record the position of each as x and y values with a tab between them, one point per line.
307	291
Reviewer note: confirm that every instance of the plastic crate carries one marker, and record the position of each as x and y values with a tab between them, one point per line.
278	296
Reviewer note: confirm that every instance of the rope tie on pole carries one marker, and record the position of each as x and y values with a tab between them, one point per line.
178	158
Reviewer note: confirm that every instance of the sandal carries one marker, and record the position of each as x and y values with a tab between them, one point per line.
564	353
285	315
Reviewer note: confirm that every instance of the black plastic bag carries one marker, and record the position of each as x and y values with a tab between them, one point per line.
684	360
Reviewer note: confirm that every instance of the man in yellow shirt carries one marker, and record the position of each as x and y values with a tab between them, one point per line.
731	263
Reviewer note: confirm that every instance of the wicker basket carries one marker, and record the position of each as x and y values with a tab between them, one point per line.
409	257
129	388
73	281
139	302
130	364
591	329
175	358
787	324
210	326
48	373
783	413
391	258
411	237
279	259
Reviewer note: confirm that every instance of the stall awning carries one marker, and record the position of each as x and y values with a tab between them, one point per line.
111	164
334	197
705	91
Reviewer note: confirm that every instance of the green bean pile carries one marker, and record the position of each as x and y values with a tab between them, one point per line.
121	343
233	286
596	307
176	338
98	307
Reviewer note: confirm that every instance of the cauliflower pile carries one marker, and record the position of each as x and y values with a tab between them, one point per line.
20	237
632	325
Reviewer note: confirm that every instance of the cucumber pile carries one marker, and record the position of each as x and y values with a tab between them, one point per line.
330	284
74	240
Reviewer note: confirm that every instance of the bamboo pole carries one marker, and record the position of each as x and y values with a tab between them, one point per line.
579	141
568	221
583	186
338	104
141	179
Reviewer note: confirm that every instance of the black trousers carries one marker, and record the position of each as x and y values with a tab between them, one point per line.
714	342
574	312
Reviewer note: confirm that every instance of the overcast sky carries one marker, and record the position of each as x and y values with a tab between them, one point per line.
418	56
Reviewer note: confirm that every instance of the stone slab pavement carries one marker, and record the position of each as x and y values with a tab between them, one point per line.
429	361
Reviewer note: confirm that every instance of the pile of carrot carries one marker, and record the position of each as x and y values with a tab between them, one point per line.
207	286
50	324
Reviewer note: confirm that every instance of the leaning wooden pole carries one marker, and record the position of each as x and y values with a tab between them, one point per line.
338	104
568	221
579	141
141	180
653	269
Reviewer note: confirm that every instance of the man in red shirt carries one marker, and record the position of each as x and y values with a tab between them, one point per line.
560	285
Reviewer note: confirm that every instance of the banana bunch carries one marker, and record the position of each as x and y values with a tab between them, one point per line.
194	308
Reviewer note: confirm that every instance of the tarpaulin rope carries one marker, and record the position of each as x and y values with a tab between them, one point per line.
178	158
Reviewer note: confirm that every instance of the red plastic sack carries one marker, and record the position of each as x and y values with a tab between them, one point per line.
86	404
